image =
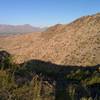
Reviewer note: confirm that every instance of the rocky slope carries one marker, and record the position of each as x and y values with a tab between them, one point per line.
77	43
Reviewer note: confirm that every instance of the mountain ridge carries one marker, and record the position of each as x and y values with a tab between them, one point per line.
18	29
76	43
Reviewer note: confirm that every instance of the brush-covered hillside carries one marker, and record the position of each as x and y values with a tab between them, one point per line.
40	80
76	43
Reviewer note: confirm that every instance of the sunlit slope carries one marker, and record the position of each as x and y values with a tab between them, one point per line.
77	43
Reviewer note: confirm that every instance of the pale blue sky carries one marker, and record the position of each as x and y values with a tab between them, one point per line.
45	12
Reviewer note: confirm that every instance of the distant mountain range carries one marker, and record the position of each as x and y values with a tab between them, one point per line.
15	29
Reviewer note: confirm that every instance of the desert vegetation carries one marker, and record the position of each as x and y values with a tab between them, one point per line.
40	80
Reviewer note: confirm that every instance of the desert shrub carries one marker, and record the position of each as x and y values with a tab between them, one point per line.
5	63
7	85
92	80
23	93
4	95
85	98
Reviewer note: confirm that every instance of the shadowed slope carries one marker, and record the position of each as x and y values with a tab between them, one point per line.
65	76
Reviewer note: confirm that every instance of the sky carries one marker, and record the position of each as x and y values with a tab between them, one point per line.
44	13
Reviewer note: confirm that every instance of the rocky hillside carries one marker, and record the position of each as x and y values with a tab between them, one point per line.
77	43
